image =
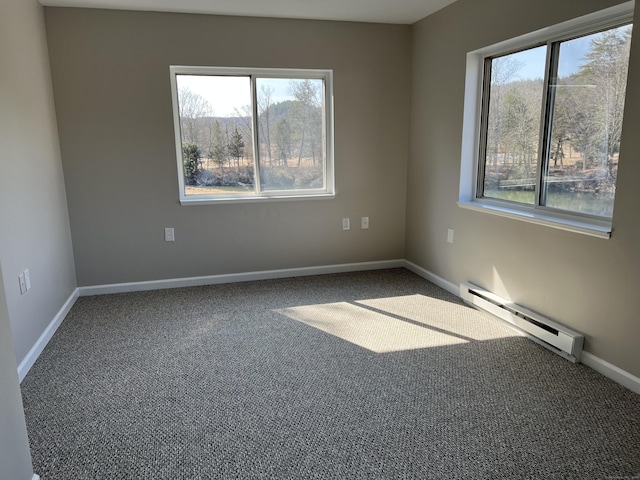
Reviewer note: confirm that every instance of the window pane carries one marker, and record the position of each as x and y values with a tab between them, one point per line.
587	122
290	133
513	125
216	134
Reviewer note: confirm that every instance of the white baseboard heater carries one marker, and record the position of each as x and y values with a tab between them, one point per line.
558	338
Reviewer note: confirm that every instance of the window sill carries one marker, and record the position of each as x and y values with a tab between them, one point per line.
576	225
190	201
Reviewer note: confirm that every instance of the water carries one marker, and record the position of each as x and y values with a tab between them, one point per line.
585	203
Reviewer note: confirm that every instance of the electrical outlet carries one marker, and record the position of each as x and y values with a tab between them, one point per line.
23	284
169	235
450	235
346	224
365	223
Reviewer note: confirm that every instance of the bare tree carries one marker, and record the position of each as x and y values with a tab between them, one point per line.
307	99
595	104
264	120
283	140
503	69
606	67
193	108
521	128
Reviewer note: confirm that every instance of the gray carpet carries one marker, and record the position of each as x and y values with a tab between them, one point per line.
361	375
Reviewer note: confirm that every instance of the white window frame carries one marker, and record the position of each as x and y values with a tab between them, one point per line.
471	131
256	73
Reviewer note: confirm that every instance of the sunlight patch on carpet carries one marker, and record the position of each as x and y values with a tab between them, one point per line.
441	315
369	329
398	323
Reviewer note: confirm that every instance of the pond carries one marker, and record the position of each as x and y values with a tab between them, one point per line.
586	203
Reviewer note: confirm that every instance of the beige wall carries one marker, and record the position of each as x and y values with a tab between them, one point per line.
34	223
15	458
586	283
111	82
34	226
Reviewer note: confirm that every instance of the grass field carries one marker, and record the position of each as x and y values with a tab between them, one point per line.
202	190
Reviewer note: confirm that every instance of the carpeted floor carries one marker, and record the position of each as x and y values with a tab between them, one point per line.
362	375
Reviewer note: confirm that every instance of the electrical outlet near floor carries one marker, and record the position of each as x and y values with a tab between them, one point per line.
24	280
23	284
169	235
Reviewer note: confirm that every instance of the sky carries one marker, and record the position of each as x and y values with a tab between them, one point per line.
226	94
572	53
533	60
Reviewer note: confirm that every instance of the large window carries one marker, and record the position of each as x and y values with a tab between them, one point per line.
247	134
551	108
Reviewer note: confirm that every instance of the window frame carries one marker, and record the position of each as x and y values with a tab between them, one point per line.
326	75
474	124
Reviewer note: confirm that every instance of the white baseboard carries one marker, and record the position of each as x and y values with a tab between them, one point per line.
605	368
237	277
433	278
33	354
609	370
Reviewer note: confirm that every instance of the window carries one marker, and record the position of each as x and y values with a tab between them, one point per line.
550	120
247	134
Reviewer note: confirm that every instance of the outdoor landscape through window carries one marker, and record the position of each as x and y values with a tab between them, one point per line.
557	146
242	135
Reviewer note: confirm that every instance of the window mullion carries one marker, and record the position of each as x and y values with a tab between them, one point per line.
549	94
254	126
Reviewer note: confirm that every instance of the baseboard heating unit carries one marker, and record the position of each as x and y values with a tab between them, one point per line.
558	338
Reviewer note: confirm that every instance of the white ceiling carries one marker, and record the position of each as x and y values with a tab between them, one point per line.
379	11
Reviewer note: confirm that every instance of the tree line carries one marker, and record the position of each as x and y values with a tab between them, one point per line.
586	116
